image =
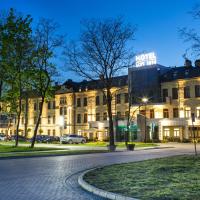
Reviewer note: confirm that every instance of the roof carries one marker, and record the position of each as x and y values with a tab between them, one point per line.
180	73
69	85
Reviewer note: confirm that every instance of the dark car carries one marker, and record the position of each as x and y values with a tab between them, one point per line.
42	138
37	139
20	138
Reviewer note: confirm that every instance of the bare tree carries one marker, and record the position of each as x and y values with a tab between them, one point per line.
47	42
102	53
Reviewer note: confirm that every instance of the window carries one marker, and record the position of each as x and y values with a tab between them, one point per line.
63	100
35	106
165	113
198	112
166	132
61	110
54	132
40	105
187	112
65	110
85	101
97	116
118	114
49	119
78	103
79	118
22	120
125	97
165	94
175	112
49	104
54	105
176	132
174	93
105	116
152	113
197	90
104	100
97	100
187	92
118	98
49	132
54	119
85	118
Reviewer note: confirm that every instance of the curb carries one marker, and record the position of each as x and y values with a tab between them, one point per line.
100	192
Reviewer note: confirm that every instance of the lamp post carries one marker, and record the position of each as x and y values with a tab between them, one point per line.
194	135
145	101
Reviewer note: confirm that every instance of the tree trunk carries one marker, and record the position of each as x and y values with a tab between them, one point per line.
18	120
26	117
111	130
37	124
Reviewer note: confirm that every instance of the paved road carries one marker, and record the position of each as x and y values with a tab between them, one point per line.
55	178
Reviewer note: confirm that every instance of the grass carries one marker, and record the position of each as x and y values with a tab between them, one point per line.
92	144
50	153
158	179
119	144
26	151
9	148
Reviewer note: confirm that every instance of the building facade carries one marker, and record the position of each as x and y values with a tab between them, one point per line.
80	107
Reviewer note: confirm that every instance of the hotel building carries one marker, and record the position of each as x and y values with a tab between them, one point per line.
79	107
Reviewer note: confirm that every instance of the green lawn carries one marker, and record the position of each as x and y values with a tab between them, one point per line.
119	144
9	148
52	153
159	179
92	144
12	151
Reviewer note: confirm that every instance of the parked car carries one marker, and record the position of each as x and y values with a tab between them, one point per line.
37	139
70	139
42	138
2	137
20	138
55	139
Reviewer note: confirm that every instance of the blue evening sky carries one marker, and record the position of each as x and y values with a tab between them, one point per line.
157	21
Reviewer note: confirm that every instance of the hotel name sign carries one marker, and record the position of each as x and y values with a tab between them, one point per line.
145	59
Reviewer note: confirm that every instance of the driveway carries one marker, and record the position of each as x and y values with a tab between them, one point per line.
55	178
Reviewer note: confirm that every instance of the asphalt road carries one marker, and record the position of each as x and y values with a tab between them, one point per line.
55	178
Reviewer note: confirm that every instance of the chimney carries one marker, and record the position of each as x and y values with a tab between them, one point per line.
188	63
197	63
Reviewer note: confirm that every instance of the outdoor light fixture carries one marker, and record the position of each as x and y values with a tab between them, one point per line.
144	100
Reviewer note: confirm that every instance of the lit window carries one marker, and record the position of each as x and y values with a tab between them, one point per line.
198	112
166	132
176	132
97	116
165	113
187	112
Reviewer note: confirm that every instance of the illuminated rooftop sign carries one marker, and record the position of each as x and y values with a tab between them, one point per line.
145	59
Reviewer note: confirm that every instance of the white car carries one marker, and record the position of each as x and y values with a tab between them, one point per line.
2	137
70	139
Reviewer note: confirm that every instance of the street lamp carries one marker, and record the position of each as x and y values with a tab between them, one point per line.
145	101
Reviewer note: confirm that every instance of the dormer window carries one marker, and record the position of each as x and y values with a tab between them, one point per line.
186	72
